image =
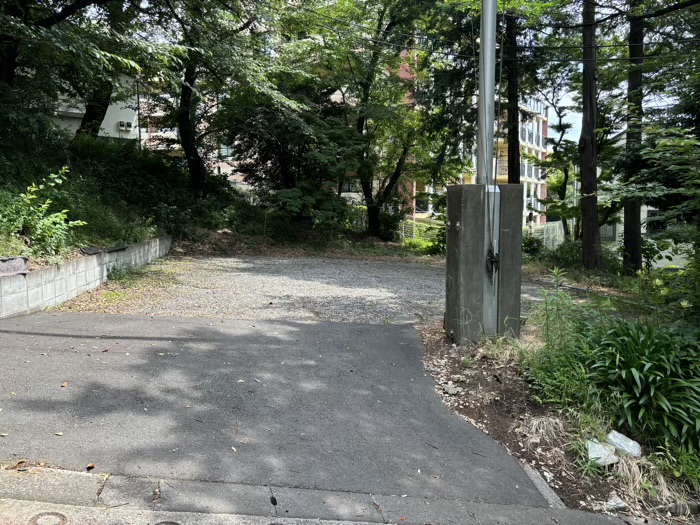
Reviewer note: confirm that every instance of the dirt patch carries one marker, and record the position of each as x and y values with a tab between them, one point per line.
224	243
485	387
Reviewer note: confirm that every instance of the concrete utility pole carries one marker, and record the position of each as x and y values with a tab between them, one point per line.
484	159
484	226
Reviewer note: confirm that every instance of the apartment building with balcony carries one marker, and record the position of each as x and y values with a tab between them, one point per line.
533	131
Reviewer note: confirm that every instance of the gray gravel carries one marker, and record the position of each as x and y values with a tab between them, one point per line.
273	288
290	288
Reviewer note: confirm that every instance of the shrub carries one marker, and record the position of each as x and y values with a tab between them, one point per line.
569	255
652	374
419	246
29	215
532	246
644	377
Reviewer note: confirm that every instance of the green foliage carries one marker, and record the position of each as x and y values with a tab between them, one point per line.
30	215
11	246
653	376
532	246
557	370
569	255
679	464
321	206
645	378
419	246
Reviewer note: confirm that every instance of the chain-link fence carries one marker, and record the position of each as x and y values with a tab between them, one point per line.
410	229
551	233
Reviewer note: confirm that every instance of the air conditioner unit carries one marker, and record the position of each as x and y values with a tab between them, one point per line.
122	125
128	126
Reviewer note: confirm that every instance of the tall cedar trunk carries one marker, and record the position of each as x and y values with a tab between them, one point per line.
590	229
95	110
632	253
513	127
186	127
9	47
8	60
562	198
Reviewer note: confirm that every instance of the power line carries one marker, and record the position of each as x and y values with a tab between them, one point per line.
475	57
434	40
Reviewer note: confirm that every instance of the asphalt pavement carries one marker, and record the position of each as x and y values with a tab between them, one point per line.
284	419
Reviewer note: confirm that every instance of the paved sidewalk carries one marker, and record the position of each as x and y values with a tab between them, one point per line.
334	421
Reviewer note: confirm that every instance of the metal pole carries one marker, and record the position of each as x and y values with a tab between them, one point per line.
485	161
487	82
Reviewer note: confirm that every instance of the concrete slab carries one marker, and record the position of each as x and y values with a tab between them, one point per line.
214	498
13	512
450	512
119	491
32	513
324	406
345	506
51	486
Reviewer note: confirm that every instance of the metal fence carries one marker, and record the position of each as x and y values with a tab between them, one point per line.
551	233
410	229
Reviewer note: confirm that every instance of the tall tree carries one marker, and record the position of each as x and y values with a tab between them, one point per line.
590	230
632	247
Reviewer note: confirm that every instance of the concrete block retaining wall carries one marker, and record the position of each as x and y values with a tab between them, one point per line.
37	290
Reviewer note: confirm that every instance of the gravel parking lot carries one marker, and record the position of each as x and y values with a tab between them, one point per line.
293	288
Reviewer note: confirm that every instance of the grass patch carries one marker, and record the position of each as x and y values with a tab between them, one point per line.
12	246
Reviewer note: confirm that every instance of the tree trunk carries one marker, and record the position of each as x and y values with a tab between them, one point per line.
9	47
562	198
95	110
373	222
513	126
186	127
590	230
8	60
632	252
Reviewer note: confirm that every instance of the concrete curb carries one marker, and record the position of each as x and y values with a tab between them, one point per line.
548	494
54	497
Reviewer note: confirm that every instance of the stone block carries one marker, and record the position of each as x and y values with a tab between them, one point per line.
33	279
48	292
13	284
48	275
510	258
71	282
601	453
465	262
80	265
34	297
13	304
60	286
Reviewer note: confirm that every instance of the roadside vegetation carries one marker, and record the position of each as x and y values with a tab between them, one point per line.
311	102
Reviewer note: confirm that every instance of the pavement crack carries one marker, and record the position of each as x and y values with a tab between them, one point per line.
273	500
377	507
156	494
101	488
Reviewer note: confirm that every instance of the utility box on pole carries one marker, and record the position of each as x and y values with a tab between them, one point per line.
484	226
482	294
